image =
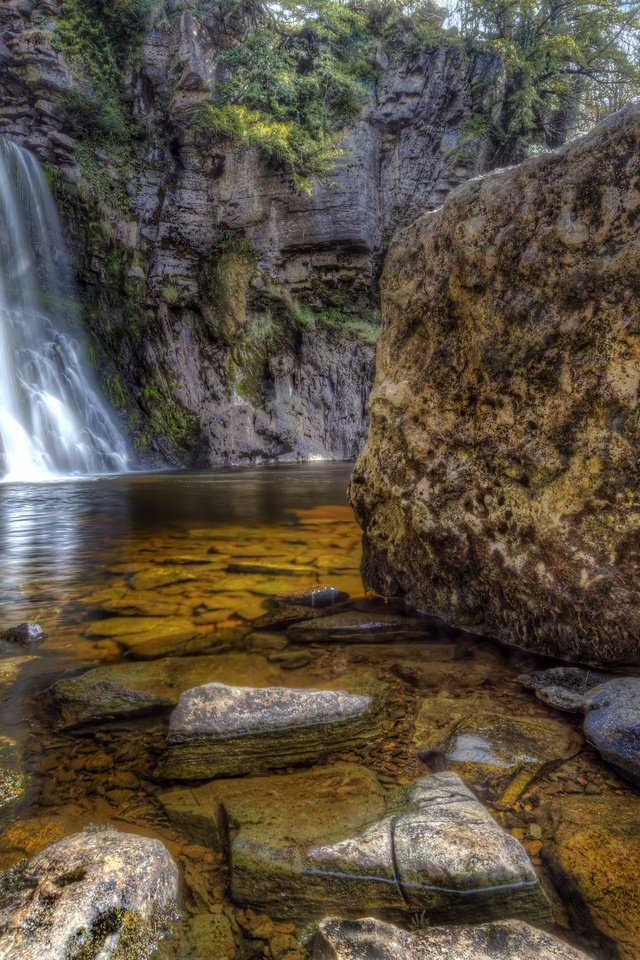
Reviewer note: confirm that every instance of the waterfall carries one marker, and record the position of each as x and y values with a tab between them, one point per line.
53	420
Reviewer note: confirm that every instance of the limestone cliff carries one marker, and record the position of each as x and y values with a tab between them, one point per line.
499	483
216	294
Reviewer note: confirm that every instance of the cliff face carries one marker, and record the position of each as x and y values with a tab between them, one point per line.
499	483
217	295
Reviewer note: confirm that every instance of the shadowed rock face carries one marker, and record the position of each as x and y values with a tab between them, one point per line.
367	939
499	481
90	894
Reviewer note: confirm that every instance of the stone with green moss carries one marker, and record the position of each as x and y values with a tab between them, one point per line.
96	893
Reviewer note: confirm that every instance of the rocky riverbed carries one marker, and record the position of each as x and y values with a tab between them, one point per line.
254	758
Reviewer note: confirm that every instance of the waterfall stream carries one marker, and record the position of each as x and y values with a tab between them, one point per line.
53	420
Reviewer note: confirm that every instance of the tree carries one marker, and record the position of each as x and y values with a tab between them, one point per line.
566	63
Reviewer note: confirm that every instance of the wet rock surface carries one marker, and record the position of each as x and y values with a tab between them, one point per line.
219	730
368	939
611	707
480	488
91	894
25	635
593	855
436	849
355	627
491	749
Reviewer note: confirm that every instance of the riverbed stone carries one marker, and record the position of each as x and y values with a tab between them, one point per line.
324	595
592	849
291	808
284	615
564	688
612	724
352	626
154	577
370	939
136	688
25	635
611	706
13	781
92	894
222	730
490	748
149	637
434	849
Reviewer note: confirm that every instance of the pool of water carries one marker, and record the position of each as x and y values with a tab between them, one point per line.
160	569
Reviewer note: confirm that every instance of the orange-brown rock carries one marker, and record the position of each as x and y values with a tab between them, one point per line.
499	485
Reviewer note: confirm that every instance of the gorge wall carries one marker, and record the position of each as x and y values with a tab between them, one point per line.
499	484
234	318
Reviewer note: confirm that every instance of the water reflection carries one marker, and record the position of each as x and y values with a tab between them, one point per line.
55	533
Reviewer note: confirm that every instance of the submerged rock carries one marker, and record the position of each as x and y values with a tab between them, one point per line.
284	615
502	457
295	808
564	688
332	841
501	752
374	940
592	848
25	634
221	730
93	894
612	708
353	626
149	637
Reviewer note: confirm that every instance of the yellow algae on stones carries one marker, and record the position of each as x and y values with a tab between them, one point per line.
489	748
148	637
592	848
153	577
498	487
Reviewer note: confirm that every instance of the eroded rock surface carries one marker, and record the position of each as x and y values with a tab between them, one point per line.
368	939
221	730
100	892
501	462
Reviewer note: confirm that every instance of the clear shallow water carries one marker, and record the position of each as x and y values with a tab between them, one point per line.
84	557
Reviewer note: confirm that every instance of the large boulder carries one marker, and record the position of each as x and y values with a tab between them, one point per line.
500	473
100	893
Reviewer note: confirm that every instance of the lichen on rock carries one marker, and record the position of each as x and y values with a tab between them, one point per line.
498	487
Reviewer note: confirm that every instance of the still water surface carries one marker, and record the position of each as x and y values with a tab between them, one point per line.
173	569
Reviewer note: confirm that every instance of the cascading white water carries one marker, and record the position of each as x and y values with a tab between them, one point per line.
53	420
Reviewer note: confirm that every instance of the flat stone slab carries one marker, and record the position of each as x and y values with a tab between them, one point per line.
136	688
149	637
93	894
370	939
353	626
592	849
296	808
432	847
324	595
488	748
222	730
284	615
611	707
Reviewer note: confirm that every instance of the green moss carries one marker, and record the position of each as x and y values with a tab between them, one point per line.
73	876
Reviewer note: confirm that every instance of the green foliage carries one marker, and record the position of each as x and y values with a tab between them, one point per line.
298	74
559	57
